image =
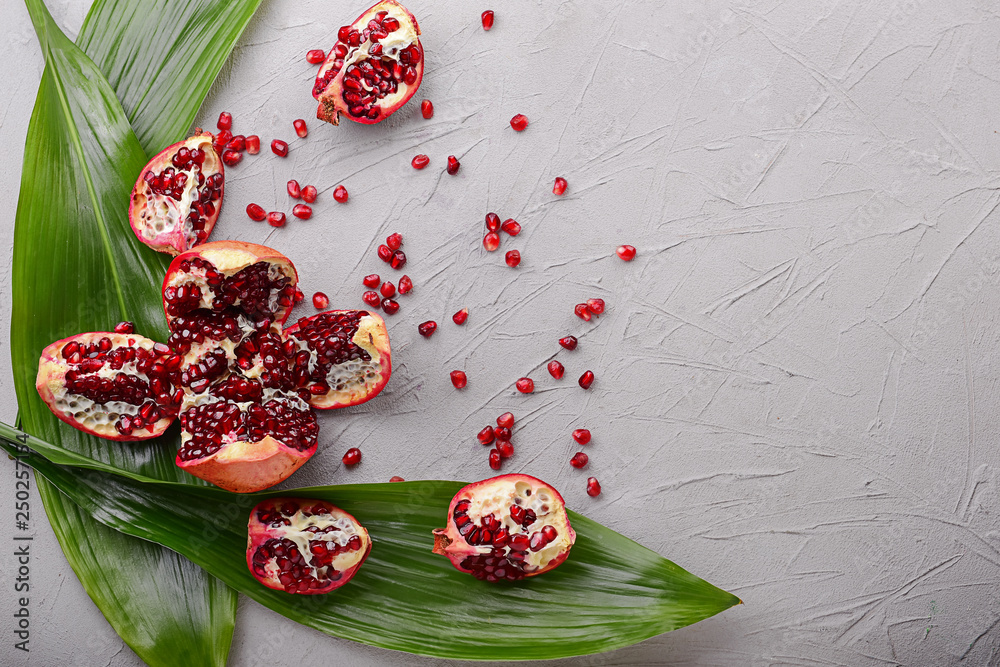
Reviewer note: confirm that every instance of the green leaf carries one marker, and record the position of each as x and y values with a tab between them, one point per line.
612	592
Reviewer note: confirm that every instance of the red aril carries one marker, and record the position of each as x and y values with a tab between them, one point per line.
593	487
394	241
253	144
372	280
487	19
568	342
302	211
405	284
460	317
398	260
556	369
427	109
300	128
486	436
279	148
494	459
511	226
491	241
453	165
459	379
372	299
321	301
352	457
276	219
427	328
559	187
237	143
309	194
512	258
579	460
626	252
581	436
525	385
225	121
340	194
503	433
384	253
582	312
256	212
506	420
315	56
586	379
420	161
505	449
125	328
492	222
294	191
231	158
596	306
396	478
221	139
390	307
519	122
388	290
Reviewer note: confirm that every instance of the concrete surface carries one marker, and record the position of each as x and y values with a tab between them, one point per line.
797	376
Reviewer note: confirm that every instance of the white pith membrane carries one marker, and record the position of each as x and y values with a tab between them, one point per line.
333	529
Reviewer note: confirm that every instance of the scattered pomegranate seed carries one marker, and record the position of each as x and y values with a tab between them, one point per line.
398	260
253	144
394	241
276	219
256	212
582	436
427	109
519	122
231	158
420	161
315	56
511	226
459	379
582	311
505	449
495	459
352	457
525	385
579	460
300	127
503	433
568	342
487	19
225	121
279	148
294	191
302	211
405	284
300	296
626	252
506	420
221	140
596	306
309	194
372	280
491	241
593	487
125	328
340	194
586	379
384	253
453	165
388	290
427	328
492	222
560	186
320	301
556	369
396	478
372	299
237	143
486	436
460	317
513	258
390	307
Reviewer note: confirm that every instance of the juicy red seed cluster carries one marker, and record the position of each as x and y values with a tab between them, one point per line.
390	253
506	561
297	572
208	423
503	449
239	389
252	289
198	376
198	326
172	181
491	241
330	336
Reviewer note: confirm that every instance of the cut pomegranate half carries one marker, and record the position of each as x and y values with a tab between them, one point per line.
304	546
375	67
176	199
506	528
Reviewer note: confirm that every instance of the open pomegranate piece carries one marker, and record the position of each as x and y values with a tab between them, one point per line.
506	528
304	546
116	386
374	68
342	357
176	200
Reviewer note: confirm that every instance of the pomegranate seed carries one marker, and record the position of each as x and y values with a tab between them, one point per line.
237	143
388	290
513	258
593	487
511	226
460	317
582	436
556	369
427	109
506	420
560	186
492	222
340	194
505	448
309	194
525	385
626	252
495	459
394	241
231	158
256	212
491	241
596	306
276	219
453	165
428	328
315	57
405	284
459	379
398	260
302	211
390	307
320	301
487	19
352	457
372	299
579	460
300	127
503	433
397	478
420	161
300	296
569	342
372	280
253	144
586	379
221	139
279	148
582	311
294	191
519	122
225	121
486	436
384	253
125	328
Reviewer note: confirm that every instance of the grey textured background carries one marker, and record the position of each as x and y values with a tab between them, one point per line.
797	376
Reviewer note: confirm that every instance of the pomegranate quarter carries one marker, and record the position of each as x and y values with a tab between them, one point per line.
506	528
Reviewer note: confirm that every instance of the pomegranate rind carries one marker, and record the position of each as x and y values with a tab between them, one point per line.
494	496
51	385
173	240
371	336
332	104
258	533
247	467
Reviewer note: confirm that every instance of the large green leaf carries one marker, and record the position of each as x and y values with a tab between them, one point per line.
612	592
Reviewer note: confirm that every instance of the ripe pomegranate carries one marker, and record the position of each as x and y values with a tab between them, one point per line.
118	386
375	67
506	528
176	199
304	546
626	252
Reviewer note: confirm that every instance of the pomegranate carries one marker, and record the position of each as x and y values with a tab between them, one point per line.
300	128
340	194
586	379
221	140
394	241
579	460
492	222
427	329
396	478
559	187
398	260
453	165
125	327
320	301
315	56
487	19
309	194
372	299
405	284
460	317
556	369
491	241
279	148
596	306
118	386
593	487
276	219
294	190
375	67
176	199
388	290
581	436
225	121
420	161
494	459
626	252
511	226
256	212
503	433
583	312
238	143
506	528
525	385
568	342
427	109
302	211
352	457
512	258
506	420
505	449
486	436
231	158
384	253
459	379
519	122
304	546
372	280
253	144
